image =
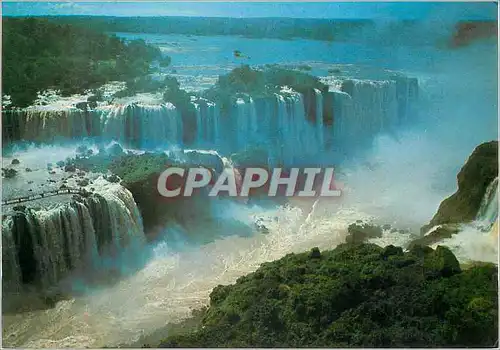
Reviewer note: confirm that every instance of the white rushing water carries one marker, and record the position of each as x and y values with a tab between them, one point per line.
143	126
280	122
43	125
207	123
488	211
478	241
173	282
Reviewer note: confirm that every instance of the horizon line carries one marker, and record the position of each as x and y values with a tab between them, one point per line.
246	18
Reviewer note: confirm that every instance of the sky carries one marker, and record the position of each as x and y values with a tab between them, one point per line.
386	10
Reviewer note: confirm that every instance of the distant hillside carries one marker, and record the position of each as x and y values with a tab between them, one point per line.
280	28
381	32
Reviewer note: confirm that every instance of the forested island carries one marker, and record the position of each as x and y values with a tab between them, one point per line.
39	54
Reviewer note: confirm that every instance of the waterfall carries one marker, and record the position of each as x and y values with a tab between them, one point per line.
145	126
292	126
374	105
11	276
364	108
343	125
295	137
47	125
207	123
215	112
42	246
278	124
160	124
478	241
246	127
115	123
46	244
133	124
285	120
319	118
407	97
488	211
200	125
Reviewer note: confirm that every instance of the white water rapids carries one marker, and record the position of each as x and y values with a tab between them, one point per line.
173	283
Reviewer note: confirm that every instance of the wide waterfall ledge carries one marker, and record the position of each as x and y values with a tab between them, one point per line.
318	114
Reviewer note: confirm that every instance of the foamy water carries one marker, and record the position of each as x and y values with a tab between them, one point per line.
174	283
472	244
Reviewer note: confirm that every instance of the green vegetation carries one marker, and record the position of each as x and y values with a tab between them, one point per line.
256	156
360	232
168	86
245	79
9	173
259	83
129	167
353	296
304	67
140	85
180	98
39	54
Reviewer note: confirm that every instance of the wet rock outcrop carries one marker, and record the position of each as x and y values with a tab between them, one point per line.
473	179
139	173
360	232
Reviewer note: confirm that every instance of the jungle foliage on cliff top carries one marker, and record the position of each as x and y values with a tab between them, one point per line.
353	296
245	80
248	80
39	54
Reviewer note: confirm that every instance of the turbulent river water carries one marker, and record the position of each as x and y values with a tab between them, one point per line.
399	180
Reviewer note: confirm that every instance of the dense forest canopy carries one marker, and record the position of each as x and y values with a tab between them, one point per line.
357	295
39	54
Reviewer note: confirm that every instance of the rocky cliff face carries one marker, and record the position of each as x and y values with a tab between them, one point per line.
473	179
